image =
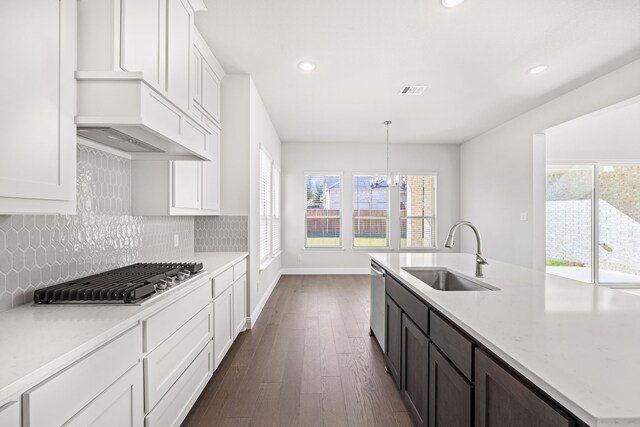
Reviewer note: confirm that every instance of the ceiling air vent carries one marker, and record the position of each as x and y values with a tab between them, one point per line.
412	90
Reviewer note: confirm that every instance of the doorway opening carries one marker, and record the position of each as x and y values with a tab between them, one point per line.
592	197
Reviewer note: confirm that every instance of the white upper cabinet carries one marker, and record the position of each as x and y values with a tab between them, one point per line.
186	185
206	77
140	44
178	188
179	24
38	145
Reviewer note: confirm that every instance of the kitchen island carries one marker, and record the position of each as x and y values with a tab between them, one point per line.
577	344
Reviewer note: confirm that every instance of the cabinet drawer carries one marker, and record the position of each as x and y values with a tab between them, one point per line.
239	270
161	325
120	405
10	414
222	281
60	397
410	304
166	363
452	343
175	405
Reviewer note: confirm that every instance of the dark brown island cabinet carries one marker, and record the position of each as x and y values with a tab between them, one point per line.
448	380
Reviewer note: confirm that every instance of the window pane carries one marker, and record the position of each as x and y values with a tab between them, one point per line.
370	211
417	232
323	211
569	203
619	209
417	211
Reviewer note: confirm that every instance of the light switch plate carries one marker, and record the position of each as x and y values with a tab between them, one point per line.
176	240
524	216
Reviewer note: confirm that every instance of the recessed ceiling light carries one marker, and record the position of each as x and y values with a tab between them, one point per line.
452	3
538	69
307	66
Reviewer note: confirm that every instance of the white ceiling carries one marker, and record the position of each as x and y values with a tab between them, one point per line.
473	59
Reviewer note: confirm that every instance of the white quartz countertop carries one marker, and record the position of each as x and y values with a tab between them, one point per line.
579	343
37	341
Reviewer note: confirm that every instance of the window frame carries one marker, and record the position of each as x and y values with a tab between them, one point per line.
353	216
435	213
340	216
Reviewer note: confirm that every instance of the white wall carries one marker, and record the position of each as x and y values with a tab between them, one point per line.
262	133
247	125
613	134
298	158
497	168
234	146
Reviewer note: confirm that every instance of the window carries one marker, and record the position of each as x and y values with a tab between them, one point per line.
417	211
265	205
322	212
276	223
593	222
370	211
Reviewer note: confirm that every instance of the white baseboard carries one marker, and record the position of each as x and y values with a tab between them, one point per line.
251	321
304	271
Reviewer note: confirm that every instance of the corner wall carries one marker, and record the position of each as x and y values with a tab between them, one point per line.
261	133
497	168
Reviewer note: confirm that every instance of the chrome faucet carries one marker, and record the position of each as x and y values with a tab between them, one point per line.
480	259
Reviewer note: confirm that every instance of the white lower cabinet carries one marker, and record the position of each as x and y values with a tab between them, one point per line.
82	382
10	414
223	319
175	405
165	364
150	374
239	305
120	405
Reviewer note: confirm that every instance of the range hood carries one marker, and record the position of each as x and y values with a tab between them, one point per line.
120	110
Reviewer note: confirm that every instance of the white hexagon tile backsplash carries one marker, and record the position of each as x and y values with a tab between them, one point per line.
41	250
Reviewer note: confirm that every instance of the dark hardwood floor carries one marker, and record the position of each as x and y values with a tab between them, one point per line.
309	361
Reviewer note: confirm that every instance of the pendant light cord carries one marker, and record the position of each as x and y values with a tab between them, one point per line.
387	123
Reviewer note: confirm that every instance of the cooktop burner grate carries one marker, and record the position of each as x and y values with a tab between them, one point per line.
129	284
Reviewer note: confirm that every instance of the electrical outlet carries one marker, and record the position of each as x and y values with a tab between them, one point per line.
524	216
299	258
176	240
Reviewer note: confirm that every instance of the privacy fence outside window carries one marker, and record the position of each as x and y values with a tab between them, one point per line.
370	211
417	211
323	220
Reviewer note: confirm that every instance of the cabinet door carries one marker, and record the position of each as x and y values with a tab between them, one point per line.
239	305
178	48
10	414
393	320
38	147
415	370
210	86
502	400
119	405
449	393
196	68
186	185
211	176
140	40
223	319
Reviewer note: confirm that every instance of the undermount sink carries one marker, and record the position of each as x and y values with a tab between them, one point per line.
443	280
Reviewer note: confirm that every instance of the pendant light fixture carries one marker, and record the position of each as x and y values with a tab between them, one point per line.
392	181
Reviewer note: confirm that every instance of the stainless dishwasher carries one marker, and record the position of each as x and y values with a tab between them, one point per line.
377	304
